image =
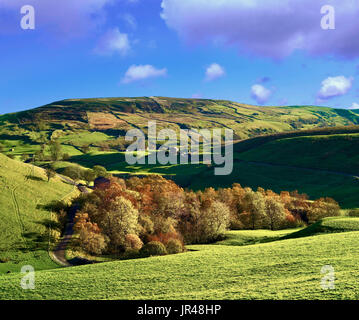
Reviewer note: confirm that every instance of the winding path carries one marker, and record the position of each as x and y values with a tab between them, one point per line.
59	253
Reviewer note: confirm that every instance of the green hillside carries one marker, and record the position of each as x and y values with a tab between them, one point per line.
282	269
331	152
321	163
327	225
316	184
24	220
114	116
91	132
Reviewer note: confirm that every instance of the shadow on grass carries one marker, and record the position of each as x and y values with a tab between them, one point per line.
51	224
81	261
34	178
54	206
34	242
324	227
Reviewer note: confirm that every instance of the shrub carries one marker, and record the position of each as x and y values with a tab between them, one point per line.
153	248
174	246
93	243
89	175
131	254
322	208
235	224
4	259
100	171
73	172
353	213
66	157
133	242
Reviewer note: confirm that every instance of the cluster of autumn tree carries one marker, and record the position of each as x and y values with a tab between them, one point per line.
153	215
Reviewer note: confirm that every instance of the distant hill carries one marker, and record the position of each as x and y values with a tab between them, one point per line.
91	132
124	113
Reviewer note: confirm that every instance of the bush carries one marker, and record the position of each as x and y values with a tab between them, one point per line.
353	213
174	246
133	242
66	157
131	254
322	208
100	171
153	248
93	243
4	260
73	172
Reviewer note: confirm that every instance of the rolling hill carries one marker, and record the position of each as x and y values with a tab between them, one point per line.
320	163
91	132
281	269
114	115
333	152
27	226
311	149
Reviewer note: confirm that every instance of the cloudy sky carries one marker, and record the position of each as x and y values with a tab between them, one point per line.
263	52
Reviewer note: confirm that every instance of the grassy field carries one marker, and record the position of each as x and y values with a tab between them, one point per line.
281	269
327	225
247	237
24	219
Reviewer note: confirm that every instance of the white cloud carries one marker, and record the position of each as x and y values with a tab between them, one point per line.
130	20
354	106
142	72
214	71
113	41
334	86
260	93
269	28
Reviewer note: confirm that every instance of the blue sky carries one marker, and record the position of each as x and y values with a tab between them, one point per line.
210	49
